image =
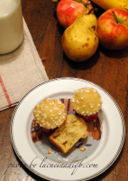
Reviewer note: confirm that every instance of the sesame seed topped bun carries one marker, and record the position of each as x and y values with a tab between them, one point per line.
86	101
50	113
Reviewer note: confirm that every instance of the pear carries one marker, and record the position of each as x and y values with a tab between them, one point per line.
80	40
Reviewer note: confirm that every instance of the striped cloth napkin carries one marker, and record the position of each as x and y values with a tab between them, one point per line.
20	71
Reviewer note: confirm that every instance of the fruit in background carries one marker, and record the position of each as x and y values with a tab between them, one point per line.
113	29
80	40
68	10
109	4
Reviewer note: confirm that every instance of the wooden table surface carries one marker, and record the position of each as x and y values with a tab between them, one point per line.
108	69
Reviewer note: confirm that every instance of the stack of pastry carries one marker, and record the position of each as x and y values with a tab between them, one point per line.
68	129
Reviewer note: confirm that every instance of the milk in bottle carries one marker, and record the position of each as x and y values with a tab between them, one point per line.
11	25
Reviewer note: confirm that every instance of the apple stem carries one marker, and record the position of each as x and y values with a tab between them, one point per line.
86	4
115	17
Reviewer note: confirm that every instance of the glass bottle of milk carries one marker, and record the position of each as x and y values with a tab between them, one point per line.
11	25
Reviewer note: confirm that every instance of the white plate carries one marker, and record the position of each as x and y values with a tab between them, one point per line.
88	166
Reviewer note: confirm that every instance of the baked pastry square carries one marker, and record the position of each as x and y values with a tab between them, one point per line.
71	131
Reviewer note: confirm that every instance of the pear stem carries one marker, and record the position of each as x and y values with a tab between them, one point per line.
93	9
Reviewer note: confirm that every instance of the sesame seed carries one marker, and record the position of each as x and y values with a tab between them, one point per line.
43	124
51	103
55	108
87	90
63	116
45	116
73	100
59	102
91	105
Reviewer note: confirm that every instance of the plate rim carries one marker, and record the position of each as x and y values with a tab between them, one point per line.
76	79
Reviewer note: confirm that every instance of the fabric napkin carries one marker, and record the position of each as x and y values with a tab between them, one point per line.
20	71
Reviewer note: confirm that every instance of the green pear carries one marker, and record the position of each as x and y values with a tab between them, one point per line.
80	40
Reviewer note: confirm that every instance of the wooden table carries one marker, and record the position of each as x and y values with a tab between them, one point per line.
108	69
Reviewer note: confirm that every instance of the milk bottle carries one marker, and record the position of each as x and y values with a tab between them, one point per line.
11	25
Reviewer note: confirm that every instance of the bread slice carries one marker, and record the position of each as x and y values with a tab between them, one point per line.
73	129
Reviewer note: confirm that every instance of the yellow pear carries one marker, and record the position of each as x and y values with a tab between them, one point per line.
80	40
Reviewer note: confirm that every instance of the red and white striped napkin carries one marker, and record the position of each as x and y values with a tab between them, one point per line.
20	71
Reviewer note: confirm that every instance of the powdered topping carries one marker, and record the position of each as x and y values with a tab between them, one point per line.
50	113
86	101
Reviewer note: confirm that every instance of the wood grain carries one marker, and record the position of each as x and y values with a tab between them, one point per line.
108	69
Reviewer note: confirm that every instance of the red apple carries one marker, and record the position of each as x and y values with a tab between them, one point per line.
68	10
113	29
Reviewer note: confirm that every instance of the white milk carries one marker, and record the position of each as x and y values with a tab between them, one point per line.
11	27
